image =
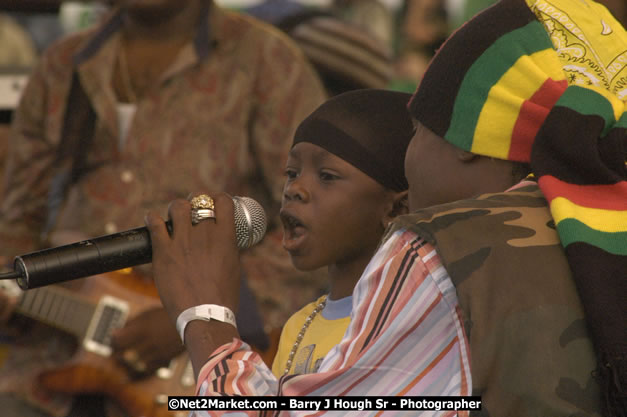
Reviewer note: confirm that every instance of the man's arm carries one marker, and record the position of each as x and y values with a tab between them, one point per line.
405	336
197	264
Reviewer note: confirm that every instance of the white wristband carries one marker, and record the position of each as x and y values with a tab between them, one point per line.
204	312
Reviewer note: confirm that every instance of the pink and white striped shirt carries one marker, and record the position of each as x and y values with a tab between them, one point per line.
405	338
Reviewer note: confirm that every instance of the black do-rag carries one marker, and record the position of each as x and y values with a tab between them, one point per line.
369	128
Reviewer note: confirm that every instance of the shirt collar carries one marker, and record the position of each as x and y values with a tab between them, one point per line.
521	184
338	309
202	39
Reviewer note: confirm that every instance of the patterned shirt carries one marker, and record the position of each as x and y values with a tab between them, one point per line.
405	338
221	118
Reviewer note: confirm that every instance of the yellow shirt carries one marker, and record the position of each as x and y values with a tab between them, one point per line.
320	337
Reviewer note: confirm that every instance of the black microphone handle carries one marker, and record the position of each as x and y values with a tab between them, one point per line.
88	257
120	250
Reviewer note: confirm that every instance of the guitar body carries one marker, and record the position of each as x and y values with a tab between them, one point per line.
91	370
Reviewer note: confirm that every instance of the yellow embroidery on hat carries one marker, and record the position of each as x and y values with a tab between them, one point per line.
590	43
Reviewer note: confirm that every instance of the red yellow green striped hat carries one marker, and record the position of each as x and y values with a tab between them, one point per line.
545	82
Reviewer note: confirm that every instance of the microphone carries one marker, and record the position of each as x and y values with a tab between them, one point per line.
120	250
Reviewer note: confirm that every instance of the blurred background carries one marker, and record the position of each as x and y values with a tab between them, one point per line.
399	37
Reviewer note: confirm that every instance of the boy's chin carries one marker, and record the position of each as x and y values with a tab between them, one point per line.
302	263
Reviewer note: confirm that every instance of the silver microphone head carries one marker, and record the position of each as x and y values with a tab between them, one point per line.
250	222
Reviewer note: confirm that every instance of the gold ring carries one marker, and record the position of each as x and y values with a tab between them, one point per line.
202	208
202	201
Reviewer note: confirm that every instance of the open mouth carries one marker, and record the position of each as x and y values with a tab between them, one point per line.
291	222
294	231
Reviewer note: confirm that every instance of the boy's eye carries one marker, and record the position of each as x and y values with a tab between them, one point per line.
290	173
327	176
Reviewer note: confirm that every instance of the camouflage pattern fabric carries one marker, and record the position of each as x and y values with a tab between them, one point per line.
530	350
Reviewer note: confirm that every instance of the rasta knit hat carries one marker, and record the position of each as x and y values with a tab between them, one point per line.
369	128
545	82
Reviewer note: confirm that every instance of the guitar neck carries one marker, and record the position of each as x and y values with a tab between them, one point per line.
92	315
59	308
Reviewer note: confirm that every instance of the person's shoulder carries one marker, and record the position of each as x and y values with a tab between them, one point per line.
62	50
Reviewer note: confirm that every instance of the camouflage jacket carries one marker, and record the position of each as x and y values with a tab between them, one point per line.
530	351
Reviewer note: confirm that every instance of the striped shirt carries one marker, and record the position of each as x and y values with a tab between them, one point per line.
405	338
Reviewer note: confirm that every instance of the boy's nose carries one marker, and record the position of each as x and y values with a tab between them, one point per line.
295	191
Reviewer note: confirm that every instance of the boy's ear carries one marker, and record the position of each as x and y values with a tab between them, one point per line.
400	206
